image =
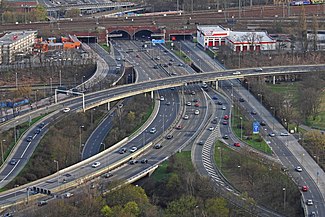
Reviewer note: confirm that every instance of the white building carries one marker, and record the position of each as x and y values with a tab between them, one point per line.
16	42
250	41
211	36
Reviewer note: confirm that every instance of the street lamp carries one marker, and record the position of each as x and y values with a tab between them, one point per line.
2	157
57	169
261	95
241	128
80	135
284	199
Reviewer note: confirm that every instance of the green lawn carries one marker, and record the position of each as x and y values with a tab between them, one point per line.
104	45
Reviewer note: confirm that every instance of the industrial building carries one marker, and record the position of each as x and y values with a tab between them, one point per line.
214	36
15	43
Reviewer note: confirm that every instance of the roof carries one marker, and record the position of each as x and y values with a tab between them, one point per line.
249	37
14	36
213	30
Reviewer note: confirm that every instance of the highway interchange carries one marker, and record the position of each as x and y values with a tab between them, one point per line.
167	113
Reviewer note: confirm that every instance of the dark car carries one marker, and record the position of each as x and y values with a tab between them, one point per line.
29	139
201	142
144	161
107	175
37	131
253	112
41	125
225	122
219	103
241	100
157	146
122	150
225	136
169	136
262	123
133	161
13	162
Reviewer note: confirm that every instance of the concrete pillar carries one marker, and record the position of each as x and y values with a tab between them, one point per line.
151	94
108	106
217	84
273	79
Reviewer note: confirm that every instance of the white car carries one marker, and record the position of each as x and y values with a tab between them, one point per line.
185	117
223	108
153	130
96	164
133	149
309	202
284	134
188	103
298	169
65	110
196	112
162	98
211	128
236	73
68	195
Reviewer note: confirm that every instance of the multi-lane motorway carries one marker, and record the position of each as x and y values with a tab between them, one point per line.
158	84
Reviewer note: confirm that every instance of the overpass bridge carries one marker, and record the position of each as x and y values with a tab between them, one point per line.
124	91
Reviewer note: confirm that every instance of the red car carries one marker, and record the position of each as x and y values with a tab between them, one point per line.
237	144
304	188
179	127
226	117
225	122
197	105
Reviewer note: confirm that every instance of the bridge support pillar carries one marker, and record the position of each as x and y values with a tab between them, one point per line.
151	94
217	84
108	106
274	79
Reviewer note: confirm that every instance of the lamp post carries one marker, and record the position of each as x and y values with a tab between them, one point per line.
284	198
57	169
80	135
241	128
2	157
261	95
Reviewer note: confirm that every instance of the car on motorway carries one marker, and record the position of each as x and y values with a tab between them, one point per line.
13	162
241	100
215	97
193	92
195	100
29	139
165	65
107	175
211	128
41	125
272	134
167	103
144	161
196	112
298	169
237	144
2	120
225	136
170	64
65	110
262	123
253	112
122	150
178	127
169	136
219	103
96	164
226	117
186	117
68	195
188	103
309	202
162	98
258	70
236	73
284	134
133	162
312	214
215	120
153	130
197	104
133	149
158	146
225	122
42	203
201	142
304	188
223	108
155	66
37	131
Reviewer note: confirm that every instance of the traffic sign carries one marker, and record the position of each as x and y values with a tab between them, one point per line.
256	127
156	41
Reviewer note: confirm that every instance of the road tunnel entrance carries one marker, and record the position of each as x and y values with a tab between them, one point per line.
119	35
88	39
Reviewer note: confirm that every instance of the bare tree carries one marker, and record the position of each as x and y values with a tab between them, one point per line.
314	36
